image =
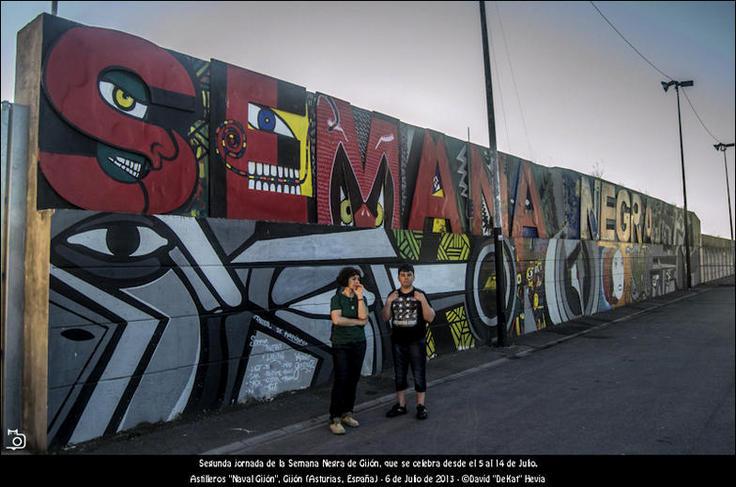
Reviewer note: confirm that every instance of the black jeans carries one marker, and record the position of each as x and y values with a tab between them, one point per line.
347	361
414	354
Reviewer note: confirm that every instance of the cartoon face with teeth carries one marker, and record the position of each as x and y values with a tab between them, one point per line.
262	161
113	123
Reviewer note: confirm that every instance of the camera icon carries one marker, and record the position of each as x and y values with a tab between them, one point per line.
17	440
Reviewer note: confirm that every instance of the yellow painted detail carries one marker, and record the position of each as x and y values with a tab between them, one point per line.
299	125
439	225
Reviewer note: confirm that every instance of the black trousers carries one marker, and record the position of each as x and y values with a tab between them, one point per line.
347	361
412	354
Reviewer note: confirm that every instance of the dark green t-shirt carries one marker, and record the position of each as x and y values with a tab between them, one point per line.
349	307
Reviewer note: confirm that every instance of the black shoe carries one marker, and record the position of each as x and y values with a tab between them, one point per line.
396	410
422	412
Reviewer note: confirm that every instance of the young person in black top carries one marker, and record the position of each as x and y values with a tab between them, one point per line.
410	312
349	315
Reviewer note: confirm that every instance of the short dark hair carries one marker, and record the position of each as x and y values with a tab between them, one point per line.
345	274
406	268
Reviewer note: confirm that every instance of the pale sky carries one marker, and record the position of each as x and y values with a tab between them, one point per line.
579	96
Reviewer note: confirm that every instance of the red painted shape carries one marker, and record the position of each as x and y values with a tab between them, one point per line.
85	190
71	79
364	218
481	188
424	204
383	142
527	218
244	87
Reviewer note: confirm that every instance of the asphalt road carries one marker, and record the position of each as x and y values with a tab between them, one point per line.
660	383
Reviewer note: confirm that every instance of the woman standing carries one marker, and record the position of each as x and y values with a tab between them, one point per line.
349	315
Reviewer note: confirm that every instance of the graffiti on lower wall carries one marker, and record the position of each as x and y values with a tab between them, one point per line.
156	316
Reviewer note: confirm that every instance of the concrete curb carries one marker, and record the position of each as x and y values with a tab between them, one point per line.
321	421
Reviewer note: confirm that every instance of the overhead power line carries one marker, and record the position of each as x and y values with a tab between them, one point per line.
513	79
497	76
655	67
630	44
699	119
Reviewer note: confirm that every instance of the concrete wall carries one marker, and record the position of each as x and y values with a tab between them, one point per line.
717	258
203	212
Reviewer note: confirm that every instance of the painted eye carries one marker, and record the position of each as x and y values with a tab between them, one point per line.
379	215
346	211
121	100
266	119
379	210
122	241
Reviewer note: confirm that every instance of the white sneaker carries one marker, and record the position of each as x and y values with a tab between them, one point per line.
337	428
349	420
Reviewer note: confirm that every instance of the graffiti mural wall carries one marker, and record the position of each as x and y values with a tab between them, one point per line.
204	211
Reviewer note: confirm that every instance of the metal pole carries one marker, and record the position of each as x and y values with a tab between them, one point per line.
54	8
728	193
722	147
730	218
497	213
688	280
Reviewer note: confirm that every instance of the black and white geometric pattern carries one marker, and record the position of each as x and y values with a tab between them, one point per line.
406	311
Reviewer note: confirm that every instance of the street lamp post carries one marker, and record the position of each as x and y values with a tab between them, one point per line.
677	84
722	147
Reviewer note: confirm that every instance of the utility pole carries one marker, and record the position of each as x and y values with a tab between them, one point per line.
54	8
497	213
677	85
722	147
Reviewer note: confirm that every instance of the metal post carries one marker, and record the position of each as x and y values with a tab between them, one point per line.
722	147
54	8
688	280
497	213
728	193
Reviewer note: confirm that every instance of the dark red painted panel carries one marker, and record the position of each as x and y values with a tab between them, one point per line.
136	162
424	204
369	187
268	172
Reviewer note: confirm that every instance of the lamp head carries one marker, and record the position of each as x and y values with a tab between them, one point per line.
666	85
